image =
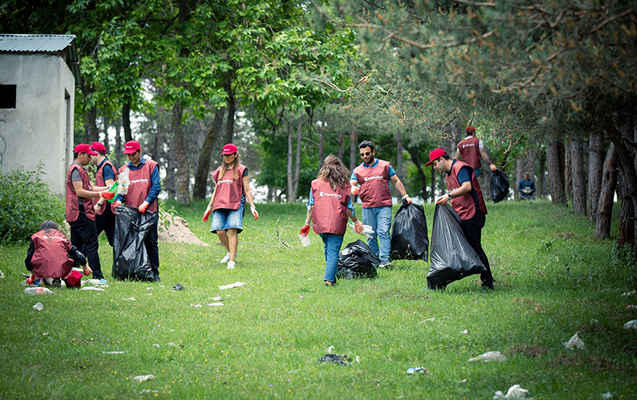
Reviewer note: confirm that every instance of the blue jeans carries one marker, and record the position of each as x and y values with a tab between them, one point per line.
331	246
379	218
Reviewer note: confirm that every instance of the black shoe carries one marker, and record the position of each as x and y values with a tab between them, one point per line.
156	278
487	287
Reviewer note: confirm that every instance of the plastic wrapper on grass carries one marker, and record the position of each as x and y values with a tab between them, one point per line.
452	257
499	186
409	239
357	260
334	359
130	259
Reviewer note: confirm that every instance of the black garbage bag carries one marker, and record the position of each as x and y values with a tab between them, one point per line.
499	186
452	257
357	260
409	238
130	259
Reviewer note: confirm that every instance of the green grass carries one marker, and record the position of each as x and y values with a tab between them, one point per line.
552	280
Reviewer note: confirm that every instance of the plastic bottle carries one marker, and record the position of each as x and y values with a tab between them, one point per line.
37	290
124	182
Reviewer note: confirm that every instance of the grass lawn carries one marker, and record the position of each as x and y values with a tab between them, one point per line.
552	280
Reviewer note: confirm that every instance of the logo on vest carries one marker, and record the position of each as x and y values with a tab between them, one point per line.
371	178
323	194
52	237
139	181
225	181
464	146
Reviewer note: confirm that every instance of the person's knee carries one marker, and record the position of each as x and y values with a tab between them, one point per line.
221	233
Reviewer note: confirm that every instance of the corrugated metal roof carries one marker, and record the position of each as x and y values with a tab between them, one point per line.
64	45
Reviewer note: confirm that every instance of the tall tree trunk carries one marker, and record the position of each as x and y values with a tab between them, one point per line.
432	194
556	173
541	168
568	172
321	145
353	147
171	179
604	207
232	109
595	167
203	164
183	169
341	144
128	135
297	162
290	188
119	148
399	154
578	179
90	117
415	158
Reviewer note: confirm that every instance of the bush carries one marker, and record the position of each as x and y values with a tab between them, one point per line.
25	202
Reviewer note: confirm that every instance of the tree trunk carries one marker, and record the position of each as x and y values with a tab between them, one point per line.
232	109
128	136
595	166
415	158
90	117
541	182
353	147
556	173
290	164
341	144
578	179
170	182
399	155
568	172
203	164
321	146
183	169
119	148
604	207
297	163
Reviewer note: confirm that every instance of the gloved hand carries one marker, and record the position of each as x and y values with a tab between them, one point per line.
206	214
358	226
107	195
355	189
305	230
254	212
142	208
406	198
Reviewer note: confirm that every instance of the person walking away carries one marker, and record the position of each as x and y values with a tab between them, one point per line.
80	213
466	199
232	188
526	187
106	175
471	149
51	258
371	180
144	188
329	206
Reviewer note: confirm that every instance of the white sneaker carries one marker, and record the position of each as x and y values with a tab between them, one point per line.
225	259
231	264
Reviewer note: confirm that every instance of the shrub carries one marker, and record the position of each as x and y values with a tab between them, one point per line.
25	202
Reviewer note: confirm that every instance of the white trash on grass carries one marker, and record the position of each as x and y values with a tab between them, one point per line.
37	290
631	324
128	299
232	285
38	306
143	378
113	352
96	289
427	320
607	395
631	293
490	356
1	274
574	342
514	392
215	304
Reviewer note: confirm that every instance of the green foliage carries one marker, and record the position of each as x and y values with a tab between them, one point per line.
25	202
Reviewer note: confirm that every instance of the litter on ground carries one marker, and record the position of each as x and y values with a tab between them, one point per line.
334	359
129	298
417	370
143	378
490	356
232	285
113	352
574	342
215	304
514	392
97	289
631	324
38	306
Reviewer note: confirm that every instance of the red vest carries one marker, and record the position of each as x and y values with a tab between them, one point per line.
470	150
228	190
374	185
99	181
464	205
329	212
72	203
140	184
50	259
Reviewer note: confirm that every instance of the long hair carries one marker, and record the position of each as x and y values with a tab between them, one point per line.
235	168
334	172
47	225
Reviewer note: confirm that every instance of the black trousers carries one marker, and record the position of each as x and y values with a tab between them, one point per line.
152	249
106	223
84	236
472	229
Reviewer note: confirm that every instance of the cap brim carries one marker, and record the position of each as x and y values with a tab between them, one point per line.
91	153
227	152
430	162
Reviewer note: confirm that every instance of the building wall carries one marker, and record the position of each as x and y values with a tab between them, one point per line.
40	128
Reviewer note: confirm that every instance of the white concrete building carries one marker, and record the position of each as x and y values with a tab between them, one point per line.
38	76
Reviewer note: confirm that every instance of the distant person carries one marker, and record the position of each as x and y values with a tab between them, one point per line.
232	188
144	188
466	199
106	175
471	149
51	258
329	206
526	187
371	181
80	213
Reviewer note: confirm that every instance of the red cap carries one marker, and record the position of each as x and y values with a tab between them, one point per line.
471	129
99	147
435	154
229	149
131	147
84	148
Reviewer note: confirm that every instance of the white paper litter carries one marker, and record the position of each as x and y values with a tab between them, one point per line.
631	293
427	320
466	332
113	352
1	274
232	285
490	356
215	304
631	324
195	305
216	298
514	392
92	288
143	378
129	298
607	395
38	306
574	342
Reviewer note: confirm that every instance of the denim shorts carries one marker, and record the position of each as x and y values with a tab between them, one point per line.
224	219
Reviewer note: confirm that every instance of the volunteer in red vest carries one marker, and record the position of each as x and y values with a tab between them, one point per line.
466	198
145	185
232	188
329	206
106	175
80	213
371	180
51	257
470	149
